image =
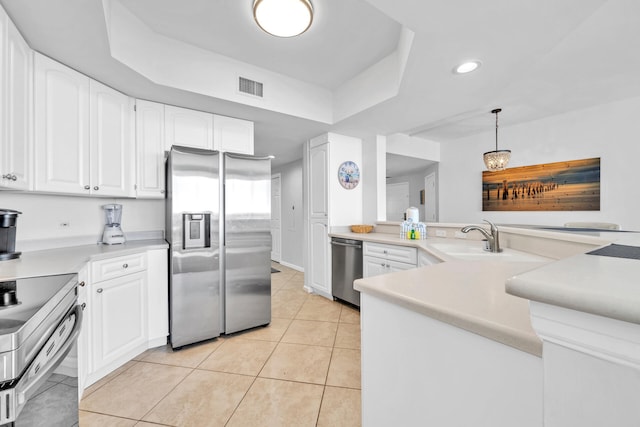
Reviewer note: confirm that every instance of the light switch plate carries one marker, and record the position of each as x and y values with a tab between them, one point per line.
441	233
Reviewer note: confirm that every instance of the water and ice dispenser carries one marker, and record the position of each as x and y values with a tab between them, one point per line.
196	229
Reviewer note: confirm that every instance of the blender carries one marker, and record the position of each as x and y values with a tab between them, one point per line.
113	234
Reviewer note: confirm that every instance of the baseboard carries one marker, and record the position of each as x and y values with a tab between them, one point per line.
291	266
157	342
318	292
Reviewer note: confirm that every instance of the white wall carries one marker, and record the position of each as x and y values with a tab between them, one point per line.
42	216
292	230
345	206
369	182
608	131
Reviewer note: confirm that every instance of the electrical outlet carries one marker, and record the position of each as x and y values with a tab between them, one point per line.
441	233
460	235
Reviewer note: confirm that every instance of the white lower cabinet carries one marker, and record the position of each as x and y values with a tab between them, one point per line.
319	280
382	259
126	312
119	319
83	343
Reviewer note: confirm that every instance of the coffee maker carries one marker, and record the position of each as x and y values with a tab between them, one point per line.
8	219
113	234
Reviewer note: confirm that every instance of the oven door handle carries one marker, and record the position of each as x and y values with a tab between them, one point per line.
33	383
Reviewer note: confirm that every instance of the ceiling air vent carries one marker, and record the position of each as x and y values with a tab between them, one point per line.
250	87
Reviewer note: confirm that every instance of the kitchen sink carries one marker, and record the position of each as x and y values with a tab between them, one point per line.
474	251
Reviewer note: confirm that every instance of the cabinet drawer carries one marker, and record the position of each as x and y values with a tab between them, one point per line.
374	266
115	267
391	252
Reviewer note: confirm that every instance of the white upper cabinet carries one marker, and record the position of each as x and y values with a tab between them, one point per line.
188	128
112	148
61	128
318	165
16	77
150	148
84	139
233	135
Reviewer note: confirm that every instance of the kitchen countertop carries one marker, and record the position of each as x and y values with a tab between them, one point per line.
490	298
600	285
70	259
466	294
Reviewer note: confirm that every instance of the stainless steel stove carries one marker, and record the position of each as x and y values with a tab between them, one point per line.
39	322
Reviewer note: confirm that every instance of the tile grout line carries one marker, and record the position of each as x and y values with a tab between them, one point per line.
260	371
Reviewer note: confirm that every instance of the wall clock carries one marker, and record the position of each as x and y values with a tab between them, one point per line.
349	175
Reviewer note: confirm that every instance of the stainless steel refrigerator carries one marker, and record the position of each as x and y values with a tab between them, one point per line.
218	212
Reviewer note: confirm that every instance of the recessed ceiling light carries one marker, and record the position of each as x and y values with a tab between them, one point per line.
467	67
283	18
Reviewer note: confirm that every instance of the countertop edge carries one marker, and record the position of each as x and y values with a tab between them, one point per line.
71	259
518	335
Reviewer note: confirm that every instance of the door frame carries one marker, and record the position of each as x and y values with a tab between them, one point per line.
279	176
431	196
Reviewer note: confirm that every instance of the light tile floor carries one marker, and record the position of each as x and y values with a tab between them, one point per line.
301	370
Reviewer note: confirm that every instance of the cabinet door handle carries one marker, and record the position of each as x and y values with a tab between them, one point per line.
125	265
5	176
161	191
96	188
14	178
99	290
81	283
86	187
84	305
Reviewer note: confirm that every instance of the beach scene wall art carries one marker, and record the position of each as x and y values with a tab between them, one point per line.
573	185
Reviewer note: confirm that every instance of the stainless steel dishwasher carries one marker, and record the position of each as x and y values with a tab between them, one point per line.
346	266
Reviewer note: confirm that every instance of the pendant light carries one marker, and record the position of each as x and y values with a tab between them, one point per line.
283	18
496	160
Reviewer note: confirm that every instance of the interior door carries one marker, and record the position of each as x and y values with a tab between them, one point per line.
397	201
276	218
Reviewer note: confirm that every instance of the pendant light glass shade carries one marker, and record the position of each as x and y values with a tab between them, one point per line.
283	18
497	160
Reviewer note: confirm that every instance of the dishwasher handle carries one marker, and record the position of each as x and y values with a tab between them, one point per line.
349	245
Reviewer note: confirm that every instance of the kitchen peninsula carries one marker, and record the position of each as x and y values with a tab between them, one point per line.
448	345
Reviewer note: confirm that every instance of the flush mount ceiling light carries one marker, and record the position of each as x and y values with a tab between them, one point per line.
283	18
467	67
497	160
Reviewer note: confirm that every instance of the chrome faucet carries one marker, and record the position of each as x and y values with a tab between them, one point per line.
492	239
